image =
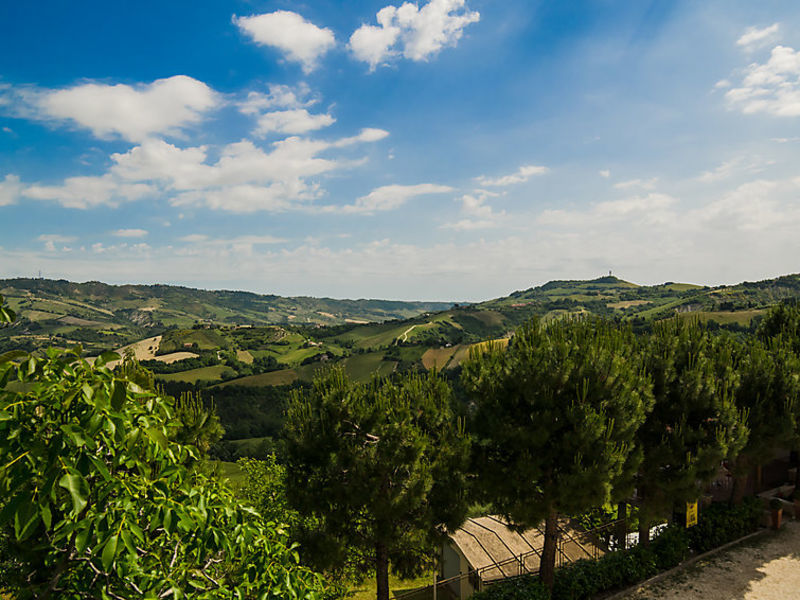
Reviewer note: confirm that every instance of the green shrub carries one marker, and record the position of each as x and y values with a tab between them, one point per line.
671	547
720	523
528	587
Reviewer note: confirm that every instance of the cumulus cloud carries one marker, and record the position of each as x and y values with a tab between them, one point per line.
294	121
390	197
755	37
772	88
130	233
10	188
522	175
413	32
163	107
300	41
89	192
244	178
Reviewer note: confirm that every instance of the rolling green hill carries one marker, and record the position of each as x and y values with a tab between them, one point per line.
102	316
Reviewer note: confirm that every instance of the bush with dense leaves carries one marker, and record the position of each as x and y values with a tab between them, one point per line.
521	588
720	523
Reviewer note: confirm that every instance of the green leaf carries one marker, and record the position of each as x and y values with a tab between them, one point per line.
47	516
128	541
82	540
25	520
78	489
75	434
158	437
118	395
109	552
12	355
104	358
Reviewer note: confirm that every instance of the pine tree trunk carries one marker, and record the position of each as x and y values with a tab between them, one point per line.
622	525
644	529
382	571
548	565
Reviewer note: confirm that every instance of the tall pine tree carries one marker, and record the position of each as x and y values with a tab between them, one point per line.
694	424
379	466
557	412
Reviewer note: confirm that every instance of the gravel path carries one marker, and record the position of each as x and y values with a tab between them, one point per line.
766	568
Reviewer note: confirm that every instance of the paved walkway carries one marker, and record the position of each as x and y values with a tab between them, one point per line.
765	568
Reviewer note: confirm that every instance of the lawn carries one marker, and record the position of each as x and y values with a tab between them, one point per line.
367	590
194	375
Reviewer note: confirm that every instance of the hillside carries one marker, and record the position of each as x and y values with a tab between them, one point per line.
102	316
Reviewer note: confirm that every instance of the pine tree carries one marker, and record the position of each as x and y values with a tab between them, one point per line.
557	412
769	393
694	424
379	466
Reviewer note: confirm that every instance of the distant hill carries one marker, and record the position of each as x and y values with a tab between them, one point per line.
102	316
299	334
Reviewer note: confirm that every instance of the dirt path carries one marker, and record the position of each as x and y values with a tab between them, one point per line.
406	332
766	568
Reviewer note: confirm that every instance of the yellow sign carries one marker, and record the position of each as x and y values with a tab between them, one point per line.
691	514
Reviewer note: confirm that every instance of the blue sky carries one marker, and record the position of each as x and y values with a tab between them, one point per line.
443	150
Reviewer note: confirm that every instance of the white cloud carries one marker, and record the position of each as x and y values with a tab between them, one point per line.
299	40
753	37
245	177
369	134
772	88
294	121
478	214
51	239
522	175
390	197
89	192
644	184
10	189
416	33
56	237
164	107
646	238
733	167
278	97
605	173
130	233
639	210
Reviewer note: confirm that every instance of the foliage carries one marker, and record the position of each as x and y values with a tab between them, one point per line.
381	468
695	423
557	412
720	523
519	588
769	393
199	424
6	314
99	503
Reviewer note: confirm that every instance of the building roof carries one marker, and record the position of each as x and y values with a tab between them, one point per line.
497	550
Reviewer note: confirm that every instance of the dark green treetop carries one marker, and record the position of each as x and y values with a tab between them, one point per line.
557	413
695	422
381	466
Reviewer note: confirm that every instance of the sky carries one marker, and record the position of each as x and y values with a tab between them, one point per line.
452	150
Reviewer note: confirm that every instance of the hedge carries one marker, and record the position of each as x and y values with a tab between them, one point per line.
584	579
